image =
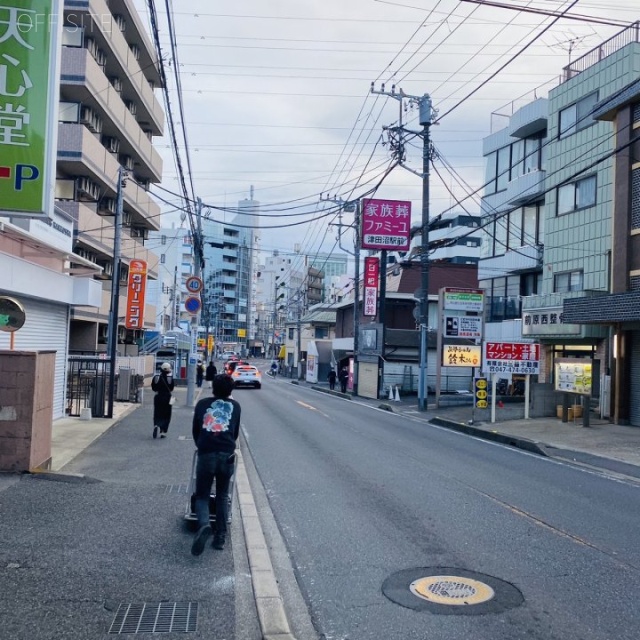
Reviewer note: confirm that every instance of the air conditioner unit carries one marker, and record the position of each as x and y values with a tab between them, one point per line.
107	267
144	183
107	206
135	49
120	21
140	232
126	218
104	331
111	144
116	83
132	106
91	119
126	161
122	334
87	189
91	46
101	58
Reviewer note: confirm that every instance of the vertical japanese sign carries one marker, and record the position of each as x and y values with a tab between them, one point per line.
371	277
28	104
134	318
386	224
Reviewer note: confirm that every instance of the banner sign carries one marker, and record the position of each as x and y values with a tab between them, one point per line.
573	375
371	279
386	224
463	299
512	357
461	355
136	286
463	327
28	102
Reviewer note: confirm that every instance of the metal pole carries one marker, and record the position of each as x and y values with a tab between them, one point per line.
356	301
382	316
112	343
195	319
426	113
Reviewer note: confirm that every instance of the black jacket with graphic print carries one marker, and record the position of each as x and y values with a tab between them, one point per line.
216	425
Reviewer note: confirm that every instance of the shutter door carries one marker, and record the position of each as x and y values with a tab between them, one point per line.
45	329
634	409
368	379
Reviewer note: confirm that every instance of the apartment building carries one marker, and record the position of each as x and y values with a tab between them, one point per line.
619	310
108	116
558	203
173	248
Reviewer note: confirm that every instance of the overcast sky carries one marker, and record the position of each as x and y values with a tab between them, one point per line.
276	94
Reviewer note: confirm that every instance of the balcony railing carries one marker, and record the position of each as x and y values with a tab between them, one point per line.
622	39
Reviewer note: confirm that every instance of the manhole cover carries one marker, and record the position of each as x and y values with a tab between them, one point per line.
452	590
449	591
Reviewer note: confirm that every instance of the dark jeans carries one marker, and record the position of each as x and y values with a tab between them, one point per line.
218	465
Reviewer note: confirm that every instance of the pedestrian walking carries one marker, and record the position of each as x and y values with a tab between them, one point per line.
215	429
162	383
332	379
211	372
344	378
200	371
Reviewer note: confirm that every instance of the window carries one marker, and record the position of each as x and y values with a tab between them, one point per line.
163	239
490	175
501	235
532	155
163	258
577	195
568	281
530	225
515	229
291	332
504	162
68	111
72	36
577	116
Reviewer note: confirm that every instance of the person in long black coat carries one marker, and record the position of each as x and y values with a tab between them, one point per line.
162	384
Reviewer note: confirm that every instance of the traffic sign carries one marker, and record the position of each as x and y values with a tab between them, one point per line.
192	305
193	284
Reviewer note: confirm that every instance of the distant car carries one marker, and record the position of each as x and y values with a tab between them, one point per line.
246	375
227	355
230	365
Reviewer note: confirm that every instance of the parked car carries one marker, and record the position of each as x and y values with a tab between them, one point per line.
246	375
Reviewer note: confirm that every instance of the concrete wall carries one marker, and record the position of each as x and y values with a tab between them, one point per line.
26	409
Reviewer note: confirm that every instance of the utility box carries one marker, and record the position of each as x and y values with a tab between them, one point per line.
26	409
125	378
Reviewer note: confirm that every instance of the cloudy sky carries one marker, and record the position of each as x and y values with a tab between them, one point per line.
276	94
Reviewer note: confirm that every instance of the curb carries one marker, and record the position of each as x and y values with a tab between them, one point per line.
339	394
494	436
272	617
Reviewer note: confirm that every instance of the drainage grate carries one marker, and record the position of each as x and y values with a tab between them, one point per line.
176	488
161	617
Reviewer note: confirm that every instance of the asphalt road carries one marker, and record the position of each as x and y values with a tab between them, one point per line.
368	501
74	549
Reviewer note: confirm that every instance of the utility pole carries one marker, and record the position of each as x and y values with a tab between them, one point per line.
195	319
112	342
396	139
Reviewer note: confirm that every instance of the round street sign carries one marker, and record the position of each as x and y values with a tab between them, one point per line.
12	314
192	304
194	284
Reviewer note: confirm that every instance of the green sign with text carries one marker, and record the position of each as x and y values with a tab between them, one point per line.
27	30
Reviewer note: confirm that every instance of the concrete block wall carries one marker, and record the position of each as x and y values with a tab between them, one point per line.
26	409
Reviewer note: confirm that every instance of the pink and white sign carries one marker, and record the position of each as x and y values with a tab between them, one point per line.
386	224
371	278
512	357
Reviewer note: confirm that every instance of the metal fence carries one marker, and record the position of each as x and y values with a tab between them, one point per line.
88	385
